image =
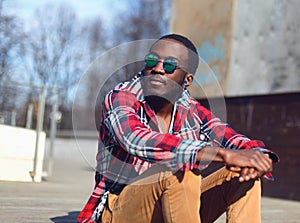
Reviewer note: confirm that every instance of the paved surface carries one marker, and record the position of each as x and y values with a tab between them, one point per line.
59	198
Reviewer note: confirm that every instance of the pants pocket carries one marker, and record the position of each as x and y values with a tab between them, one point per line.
107	212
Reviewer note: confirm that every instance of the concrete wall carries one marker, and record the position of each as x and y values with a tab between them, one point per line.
251	46
17	149
265	54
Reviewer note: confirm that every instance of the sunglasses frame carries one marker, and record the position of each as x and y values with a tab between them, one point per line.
167	62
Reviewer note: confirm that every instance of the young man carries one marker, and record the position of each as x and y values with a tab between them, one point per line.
155	139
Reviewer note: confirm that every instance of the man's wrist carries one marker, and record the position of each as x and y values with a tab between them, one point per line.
221	155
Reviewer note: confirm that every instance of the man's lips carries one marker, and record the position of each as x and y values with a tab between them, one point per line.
157	81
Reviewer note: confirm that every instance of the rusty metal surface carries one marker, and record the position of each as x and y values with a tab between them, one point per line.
274	119
209	25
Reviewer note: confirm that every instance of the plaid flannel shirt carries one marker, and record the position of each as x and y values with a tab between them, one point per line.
130	140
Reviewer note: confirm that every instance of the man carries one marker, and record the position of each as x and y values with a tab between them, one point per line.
155	139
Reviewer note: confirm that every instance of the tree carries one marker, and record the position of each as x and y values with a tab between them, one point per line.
94	41
145	19
54	58
11	43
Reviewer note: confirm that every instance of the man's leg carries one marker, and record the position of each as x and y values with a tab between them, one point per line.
160	197
221	191
181	199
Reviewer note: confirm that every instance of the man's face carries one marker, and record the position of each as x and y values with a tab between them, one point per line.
160	82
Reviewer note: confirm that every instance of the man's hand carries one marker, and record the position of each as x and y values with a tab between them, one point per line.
251	164
246	173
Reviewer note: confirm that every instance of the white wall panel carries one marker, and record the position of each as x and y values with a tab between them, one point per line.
17	150
265	54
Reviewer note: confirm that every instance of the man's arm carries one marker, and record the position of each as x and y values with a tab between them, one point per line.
127	130
251	164
249	157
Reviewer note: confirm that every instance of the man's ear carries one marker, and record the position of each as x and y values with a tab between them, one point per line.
188	79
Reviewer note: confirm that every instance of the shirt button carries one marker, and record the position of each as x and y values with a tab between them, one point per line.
202	137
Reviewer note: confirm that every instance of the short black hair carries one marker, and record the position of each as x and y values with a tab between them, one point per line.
193	53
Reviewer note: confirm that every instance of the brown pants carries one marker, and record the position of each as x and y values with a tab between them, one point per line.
160	196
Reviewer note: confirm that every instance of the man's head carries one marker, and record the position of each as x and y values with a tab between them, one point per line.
193	54
170	65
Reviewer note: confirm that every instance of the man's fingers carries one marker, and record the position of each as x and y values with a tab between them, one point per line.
248	174
261	162
248	159
235	169
244	175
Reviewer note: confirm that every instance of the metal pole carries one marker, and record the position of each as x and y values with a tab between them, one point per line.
13	118
29	116
52	132
39	128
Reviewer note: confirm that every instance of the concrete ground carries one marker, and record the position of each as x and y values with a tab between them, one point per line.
60	197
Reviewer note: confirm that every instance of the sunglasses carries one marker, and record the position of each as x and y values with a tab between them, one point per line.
169	64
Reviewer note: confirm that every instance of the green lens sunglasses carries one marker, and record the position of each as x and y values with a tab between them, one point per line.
169	64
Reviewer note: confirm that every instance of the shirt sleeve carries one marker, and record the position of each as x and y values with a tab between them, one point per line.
126	129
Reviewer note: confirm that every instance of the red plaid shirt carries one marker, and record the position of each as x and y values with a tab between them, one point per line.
130	140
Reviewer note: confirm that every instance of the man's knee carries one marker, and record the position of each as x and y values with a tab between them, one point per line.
236	190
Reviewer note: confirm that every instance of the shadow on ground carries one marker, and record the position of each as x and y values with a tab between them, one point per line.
71	217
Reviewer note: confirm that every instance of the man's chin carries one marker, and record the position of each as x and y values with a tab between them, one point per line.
161	98
162	93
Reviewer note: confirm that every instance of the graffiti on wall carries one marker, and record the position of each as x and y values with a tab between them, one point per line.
210	54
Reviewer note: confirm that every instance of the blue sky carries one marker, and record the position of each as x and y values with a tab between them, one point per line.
84	8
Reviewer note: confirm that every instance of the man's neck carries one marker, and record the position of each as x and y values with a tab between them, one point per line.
163	110
161	106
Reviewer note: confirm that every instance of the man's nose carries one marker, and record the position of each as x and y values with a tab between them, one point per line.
159	67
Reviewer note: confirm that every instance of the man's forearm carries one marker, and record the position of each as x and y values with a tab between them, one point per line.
209	153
